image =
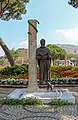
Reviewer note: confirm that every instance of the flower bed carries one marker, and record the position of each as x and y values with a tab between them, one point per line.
14	82
21	71
64	71
2	67
64	80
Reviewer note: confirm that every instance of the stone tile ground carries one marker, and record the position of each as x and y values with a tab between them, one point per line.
37	113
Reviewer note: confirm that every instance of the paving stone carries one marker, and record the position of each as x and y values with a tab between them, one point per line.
19	112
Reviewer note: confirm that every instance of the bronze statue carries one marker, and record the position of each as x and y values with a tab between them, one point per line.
43	57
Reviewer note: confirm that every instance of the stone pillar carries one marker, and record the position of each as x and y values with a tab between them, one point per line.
32	37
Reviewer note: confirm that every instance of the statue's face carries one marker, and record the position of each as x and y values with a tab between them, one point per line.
42	43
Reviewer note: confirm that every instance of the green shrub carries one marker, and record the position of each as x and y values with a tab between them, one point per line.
63	80
29	101
77	102
15	70
32	101
59	102
14	81
10	101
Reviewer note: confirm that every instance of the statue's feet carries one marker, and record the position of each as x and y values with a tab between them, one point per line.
42	82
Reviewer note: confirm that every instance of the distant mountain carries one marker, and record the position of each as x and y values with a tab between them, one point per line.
70	49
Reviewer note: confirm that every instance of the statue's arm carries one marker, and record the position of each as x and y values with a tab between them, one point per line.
38	56
49	55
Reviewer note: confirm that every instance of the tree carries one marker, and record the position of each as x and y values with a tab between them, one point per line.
71	56
74	3
15	8
7	52
2	60
14	53
56	52
12	9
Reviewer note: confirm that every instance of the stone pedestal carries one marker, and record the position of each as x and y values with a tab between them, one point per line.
45	97
32	37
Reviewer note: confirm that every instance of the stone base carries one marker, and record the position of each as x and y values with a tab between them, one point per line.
45	97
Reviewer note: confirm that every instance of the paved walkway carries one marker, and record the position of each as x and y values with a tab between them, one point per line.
8	112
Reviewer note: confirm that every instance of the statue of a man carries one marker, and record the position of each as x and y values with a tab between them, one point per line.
43	57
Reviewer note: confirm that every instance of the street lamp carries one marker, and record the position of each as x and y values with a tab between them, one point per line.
3	6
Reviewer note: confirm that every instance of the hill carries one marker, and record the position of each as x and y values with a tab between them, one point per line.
69	48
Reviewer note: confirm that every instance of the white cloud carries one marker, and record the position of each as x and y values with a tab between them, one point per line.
24	44
69	33
13	44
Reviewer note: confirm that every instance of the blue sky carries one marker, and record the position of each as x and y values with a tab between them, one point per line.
58	24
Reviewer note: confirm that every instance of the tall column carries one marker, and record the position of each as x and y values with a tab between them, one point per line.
32	37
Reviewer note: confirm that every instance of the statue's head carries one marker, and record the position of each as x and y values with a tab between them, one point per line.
42	42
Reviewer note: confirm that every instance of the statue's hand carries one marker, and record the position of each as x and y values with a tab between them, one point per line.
38	57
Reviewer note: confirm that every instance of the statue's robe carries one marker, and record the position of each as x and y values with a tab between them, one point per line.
43	57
